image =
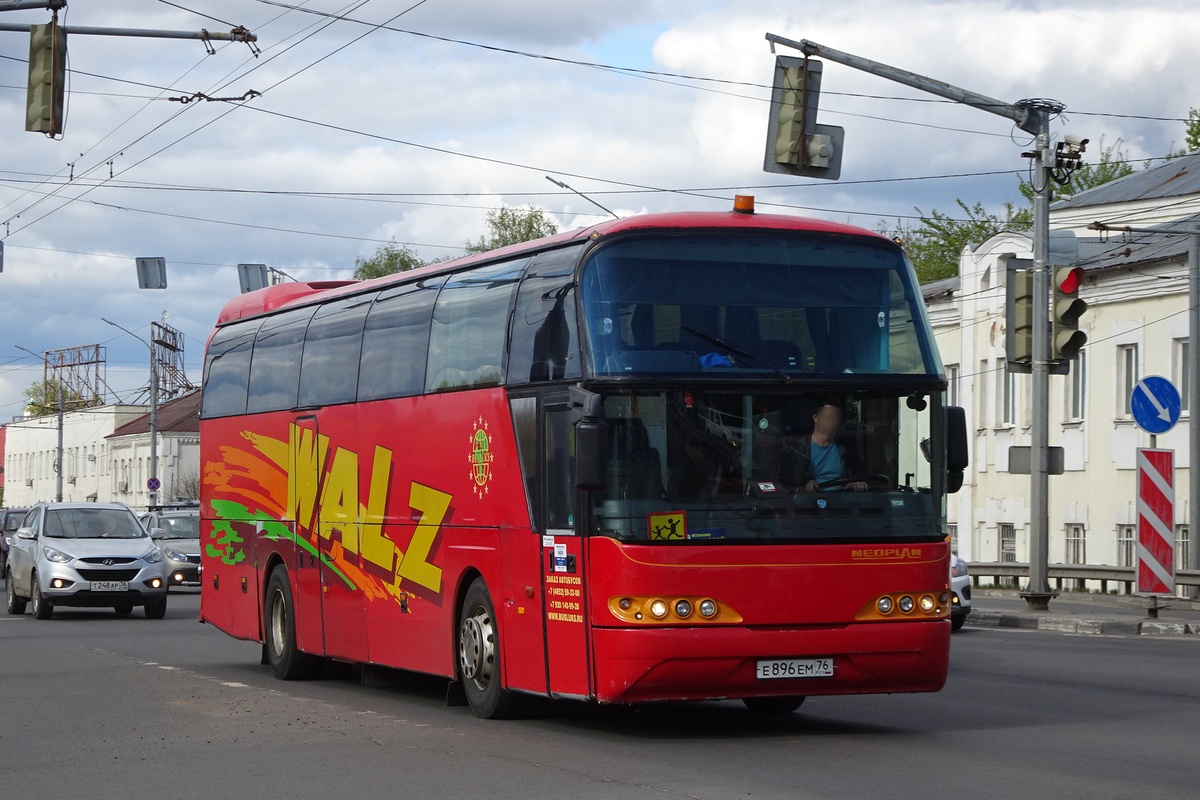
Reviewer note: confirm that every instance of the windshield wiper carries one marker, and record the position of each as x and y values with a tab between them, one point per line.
737	351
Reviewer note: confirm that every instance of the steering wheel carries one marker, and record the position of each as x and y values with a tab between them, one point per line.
876	481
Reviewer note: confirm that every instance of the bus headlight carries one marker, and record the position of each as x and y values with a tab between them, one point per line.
884	605
658	608
708	608
905	604
683	608
927	603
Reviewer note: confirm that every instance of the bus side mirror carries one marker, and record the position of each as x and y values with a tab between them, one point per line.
591	456
956	447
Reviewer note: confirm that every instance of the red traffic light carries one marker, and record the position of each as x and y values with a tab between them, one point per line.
1069	279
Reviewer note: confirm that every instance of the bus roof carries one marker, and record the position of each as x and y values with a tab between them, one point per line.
283	295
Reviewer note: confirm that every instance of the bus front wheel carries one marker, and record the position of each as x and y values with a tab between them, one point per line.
279	636
479	656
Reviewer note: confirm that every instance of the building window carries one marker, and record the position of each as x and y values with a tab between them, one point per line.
1008	398
1008	542
1182	545
952	532
1076	545
952	387
1182	372
1077	389
1127	377
982	392
1126	546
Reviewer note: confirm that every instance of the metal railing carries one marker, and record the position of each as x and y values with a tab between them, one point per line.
1082	574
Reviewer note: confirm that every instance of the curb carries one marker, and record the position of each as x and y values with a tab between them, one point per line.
996	619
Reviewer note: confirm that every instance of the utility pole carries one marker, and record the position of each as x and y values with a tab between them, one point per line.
1193	395
1031	116
152	494
58	480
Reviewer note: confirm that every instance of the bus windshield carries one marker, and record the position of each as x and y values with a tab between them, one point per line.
689	465
754	304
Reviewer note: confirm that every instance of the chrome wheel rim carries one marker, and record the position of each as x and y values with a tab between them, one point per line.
37	594
10	593
477	648
278	623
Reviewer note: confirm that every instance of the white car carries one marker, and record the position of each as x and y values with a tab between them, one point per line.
87	555
960	592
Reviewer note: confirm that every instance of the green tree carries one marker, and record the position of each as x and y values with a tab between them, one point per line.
389	259
511	225
936	241
1191	136
41	398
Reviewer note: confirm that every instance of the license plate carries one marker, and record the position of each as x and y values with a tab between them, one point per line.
794	668
110	586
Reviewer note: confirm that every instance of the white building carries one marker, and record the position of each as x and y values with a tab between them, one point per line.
106	454
1137	325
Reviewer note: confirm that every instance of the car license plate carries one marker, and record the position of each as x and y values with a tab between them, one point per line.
794	668
110	586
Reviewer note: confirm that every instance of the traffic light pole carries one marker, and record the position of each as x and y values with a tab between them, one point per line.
1037	594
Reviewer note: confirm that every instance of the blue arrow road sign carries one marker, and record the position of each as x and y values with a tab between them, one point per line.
1155	404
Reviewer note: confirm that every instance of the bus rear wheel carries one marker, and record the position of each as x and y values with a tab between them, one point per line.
479	656
279	635
773	705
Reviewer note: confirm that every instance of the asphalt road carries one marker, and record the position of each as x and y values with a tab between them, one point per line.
96	706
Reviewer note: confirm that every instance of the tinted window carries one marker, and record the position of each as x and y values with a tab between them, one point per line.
545	339
752	304
227	370
275	368
395	341
470	320
332	346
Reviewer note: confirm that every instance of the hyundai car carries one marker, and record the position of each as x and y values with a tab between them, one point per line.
90	555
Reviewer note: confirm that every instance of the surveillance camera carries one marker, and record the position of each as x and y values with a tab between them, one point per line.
1075	141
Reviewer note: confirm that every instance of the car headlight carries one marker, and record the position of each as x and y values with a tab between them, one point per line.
57	556
173	554
153	557
959	570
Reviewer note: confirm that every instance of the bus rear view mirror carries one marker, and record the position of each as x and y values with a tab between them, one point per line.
956	447
591	457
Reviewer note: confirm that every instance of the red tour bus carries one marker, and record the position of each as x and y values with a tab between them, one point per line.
669	457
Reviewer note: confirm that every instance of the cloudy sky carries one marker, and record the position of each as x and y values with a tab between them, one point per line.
363	133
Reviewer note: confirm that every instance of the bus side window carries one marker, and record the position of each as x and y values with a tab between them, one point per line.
275	365
545	336
559	469
227	370
467	342
332	348
395	341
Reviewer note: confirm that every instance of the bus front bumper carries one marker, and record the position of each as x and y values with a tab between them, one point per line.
634	665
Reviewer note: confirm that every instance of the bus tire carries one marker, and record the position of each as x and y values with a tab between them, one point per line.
478	646
279	632
773	705
16	605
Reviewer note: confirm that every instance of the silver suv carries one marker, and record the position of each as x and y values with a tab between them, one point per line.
84	554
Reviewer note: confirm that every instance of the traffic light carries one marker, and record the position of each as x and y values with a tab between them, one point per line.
47	78
796	144
1066	339
1019	314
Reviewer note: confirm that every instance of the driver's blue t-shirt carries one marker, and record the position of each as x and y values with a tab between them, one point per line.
825	462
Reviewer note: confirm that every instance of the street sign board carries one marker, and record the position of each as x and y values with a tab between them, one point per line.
1155	404
1155	521
154	484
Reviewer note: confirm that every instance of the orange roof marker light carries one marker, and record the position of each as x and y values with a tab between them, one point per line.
743	203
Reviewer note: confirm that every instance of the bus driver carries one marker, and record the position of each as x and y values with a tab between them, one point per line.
818	458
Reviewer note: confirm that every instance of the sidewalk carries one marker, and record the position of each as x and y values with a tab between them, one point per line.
1082	612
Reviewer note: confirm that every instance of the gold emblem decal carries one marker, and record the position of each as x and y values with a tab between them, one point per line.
481	458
